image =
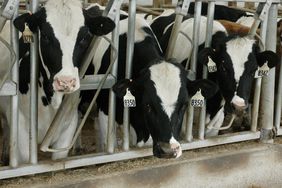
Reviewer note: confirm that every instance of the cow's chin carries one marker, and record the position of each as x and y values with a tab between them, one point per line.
57	99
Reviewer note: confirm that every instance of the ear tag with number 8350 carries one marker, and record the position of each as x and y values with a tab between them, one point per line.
129	99
262	71
211	65
198	99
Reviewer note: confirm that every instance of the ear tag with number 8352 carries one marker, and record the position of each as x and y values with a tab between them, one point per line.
198	99
211	65
262	71
129	99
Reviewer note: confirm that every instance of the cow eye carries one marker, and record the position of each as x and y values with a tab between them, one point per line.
148	107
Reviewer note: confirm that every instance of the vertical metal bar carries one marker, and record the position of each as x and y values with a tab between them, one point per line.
180	11
129	57
278	104
210	17
33	92
173	36
255	106
196	30
112	98
196	34
14	99
267	103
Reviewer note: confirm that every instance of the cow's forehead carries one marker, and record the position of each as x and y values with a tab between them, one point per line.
65	17
239	50
167	82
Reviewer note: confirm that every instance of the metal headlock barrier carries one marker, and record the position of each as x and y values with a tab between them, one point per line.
266	13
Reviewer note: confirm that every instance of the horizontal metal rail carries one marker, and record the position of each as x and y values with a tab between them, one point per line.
92	159
90	82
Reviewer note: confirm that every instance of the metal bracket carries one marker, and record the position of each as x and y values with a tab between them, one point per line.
9	9
267	136
260	15
115	7
263	9
182	7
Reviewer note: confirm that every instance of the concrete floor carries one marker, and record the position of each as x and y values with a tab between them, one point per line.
252	167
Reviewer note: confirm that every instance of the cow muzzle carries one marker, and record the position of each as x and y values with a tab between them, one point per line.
238	103
65	84
166	150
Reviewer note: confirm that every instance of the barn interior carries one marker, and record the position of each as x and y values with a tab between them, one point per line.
245	152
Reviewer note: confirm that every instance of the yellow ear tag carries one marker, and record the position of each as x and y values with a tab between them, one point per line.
211	65
262	71
129	99
198	100
27	34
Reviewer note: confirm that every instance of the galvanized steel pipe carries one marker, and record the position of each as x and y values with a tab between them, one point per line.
268	82
14	99
257	93
128	71
210	18
111	136
33	92
196	30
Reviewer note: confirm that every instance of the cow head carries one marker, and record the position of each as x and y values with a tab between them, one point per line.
161	93
65	33
237	59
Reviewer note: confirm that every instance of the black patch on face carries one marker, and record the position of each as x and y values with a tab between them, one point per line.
247	78
51	49
83	41
45	101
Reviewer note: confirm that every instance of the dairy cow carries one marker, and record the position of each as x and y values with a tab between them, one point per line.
65	30
162	24
160	87
236	57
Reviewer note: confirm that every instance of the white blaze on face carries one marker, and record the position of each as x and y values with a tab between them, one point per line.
66	18
174	144
239	50
166	78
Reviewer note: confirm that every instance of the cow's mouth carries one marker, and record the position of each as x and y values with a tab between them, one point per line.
65	85
166	150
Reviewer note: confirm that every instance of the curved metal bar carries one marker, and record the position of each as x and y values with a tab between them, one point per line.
225	127
13	59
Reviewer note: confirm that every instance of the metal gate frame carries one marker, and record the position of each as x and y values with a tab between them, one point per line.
35	167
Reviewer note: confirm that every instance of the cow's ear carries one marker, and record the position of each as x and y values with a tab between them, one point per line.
270	57
31	20
208	88
204	54
98	24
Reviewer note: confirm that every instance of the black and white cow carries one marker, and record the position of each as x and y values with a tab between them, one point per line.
241	57
65	30
237	59
161	89
163	23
